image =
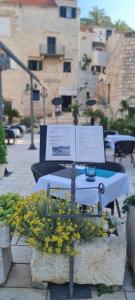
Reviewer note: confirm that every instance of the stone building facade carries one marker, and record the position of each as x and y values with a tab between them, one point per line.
93	59
44	34
120	71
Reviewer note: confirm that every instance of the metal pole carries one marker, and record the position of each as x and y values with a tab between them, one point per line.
1	102
32	146
71	260
44	104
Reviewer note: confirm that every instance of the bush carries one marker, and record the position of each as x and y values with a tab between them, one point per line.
128	201
26	121
3	147
7	206
53	235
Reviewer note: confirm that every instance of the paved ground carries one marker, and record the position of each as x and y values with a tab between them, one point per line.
18	286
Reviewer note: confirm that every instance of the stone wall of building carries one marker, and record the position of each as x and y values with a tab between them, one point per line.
120	72
30	27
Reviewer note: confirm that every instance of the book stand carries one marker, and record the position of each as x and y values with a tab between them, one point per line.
71	290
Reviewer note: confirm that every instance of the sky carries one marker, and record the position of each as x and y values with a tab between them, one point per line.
116	9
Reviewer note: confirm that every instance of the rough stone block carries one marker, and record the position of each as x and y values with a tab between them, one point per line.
5	263
5	238
101	261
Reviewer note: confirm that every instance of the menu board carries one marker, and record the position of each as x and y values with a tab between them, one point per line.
75	143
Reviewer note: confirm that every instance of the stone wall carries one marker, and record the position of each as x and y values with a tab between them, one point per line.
30	27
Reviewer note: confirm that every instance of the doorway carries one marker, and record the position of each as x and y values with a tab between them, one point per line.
67	101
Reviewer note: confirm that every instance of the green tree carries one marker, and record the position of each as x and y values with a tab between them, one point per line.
10	112
93	115
122	26
97	16
3	147
75	107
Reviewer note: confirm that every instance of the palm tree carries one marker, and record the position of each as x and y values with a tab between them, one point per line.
98	17
122	26
93	115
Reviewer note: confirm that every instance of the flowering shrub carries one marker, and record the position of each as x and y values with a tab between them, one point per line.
34	218
7	206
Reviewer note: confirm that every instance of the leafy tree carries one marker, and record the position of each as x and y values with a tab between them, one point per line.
86	62
3	147
98	17
93	115
75	107
11	113
122	26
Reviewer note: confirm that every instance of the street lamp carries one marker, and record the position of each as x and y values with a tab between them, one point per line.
4	65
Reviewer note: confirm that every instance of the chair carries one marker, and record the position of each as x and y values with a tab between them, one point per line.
9	135
108	132
45	168
111	166
124	148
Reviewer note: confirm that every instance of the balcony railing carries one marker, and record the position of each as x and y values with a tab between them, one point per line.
51	50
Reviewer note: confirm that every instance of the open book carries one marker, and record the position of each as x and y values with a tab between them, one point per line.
75	143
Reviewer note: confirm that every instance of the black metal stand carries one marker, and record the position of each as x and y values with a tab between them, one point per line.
71	290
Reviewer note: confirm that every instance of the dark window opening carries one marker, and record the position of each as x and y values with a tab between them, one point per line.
67	101
87	95
67	12
51	45
108	33
36	95
35	65
109	92
67	67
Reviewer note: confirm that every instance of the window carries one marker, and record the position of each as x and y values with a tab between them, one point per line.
108	33
51	45
35	65
67	12
109	92
87	95
67	67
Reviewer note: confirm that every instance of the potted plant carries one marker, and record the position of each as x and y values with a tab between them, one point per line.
129	207
3	151
100	246
7	206
75	107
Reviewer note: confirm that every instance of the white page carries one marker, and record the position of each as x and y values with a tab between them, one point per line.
89	144
60	142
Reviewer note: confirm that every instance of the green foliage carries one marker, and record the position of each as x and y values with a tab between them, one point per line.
7	206
33	218
123	126
11	113
75	107
122	26
86	62
104	289
26	121
3	147
93	115
98	17
128	201
104	122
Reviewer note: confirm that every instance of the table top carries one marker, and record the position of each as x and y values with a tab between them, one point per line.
116	184
112	139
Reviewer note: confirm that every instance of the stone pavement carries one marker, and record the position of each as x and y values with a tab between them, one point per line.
18	286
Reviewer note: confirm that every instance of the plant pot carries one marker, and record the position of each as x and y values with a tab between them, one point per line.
5	252
2	170
101	261
131	236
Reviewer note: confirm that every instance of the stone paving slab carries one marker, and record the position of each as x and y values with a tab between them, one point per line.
21	294
128	286
130	296
19	277
21	254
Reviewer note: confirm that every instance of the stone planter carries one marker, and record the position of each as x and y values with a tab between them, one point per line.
2	170
5	252
101	261
131	236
